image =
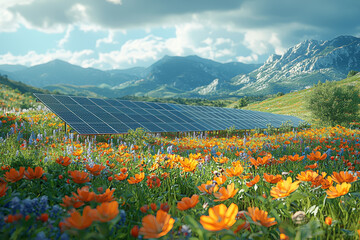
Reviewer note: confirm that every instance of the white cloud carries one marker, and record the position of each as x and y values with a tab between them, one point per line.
248	59
263	41
109	39
131	53
32	58
7	23
65	39
115	1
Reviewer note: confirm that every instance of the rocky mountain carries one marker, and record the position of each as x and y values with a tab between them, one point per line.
301	66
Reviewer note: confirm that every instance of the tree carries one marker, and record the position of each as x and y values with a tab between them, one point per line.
334	104
243	102
352	73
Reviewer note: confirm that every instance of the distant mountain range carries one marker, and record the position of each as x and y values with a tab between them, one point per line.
175	75
299	67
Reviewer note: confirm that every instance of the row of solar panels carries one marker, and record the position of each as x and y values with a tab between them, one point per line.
111	116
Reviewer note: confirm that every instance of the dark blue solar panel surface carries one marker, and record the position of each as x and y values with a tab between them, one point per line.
111	116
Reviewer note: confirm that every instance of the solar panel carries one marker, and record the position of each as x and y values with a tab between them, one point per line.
110	116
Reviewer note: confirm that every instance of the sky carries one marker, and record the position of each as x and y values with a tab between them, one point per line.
119	34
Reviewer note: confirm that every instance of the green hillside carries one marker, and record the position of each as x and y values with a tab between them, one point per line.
21	87
295	103
17	95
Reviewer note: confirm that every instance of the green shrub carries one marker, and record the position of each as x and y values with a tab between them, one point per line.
333	104
352	73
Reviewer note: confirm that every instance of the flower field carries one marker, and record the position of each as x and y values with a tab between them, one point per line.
301	184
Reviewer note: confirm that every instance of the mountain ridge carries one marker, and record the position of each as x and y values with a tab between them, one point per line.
303	65
299	67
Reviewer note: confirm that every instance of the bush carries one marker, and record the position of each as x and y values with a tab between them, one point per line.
243	102
352	73
333	104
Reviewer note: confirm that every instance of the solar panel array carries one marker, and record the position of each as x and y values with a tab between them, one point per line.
112	116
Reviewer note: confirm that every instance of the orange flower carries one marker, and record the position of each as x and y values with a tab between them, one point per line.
188	165
254	181
295	158
64	161
78	221
79	177
71	202
144	208
187	203
221	159
328	221
14	176
259	215
105	197
326	183
307	176
316	156
3	189
226	193
84	194
283	236
261	161
138	178
78	152
135	231
107	211
13	218
31	174
155	227
343	177
153	206
220	217
315	165
220	180
284	188
44	217
272	178
121	176
96	169
209	187
5	167
235	171
339	190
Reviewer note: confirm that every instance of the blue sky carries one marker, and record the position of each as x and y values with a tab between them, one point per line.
118	34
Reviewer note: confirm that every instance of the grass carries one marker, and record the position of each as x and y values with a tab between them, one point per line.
294	103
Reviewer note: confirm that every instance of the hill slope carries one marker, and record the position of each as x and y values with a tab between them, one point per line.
294	103
21	87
